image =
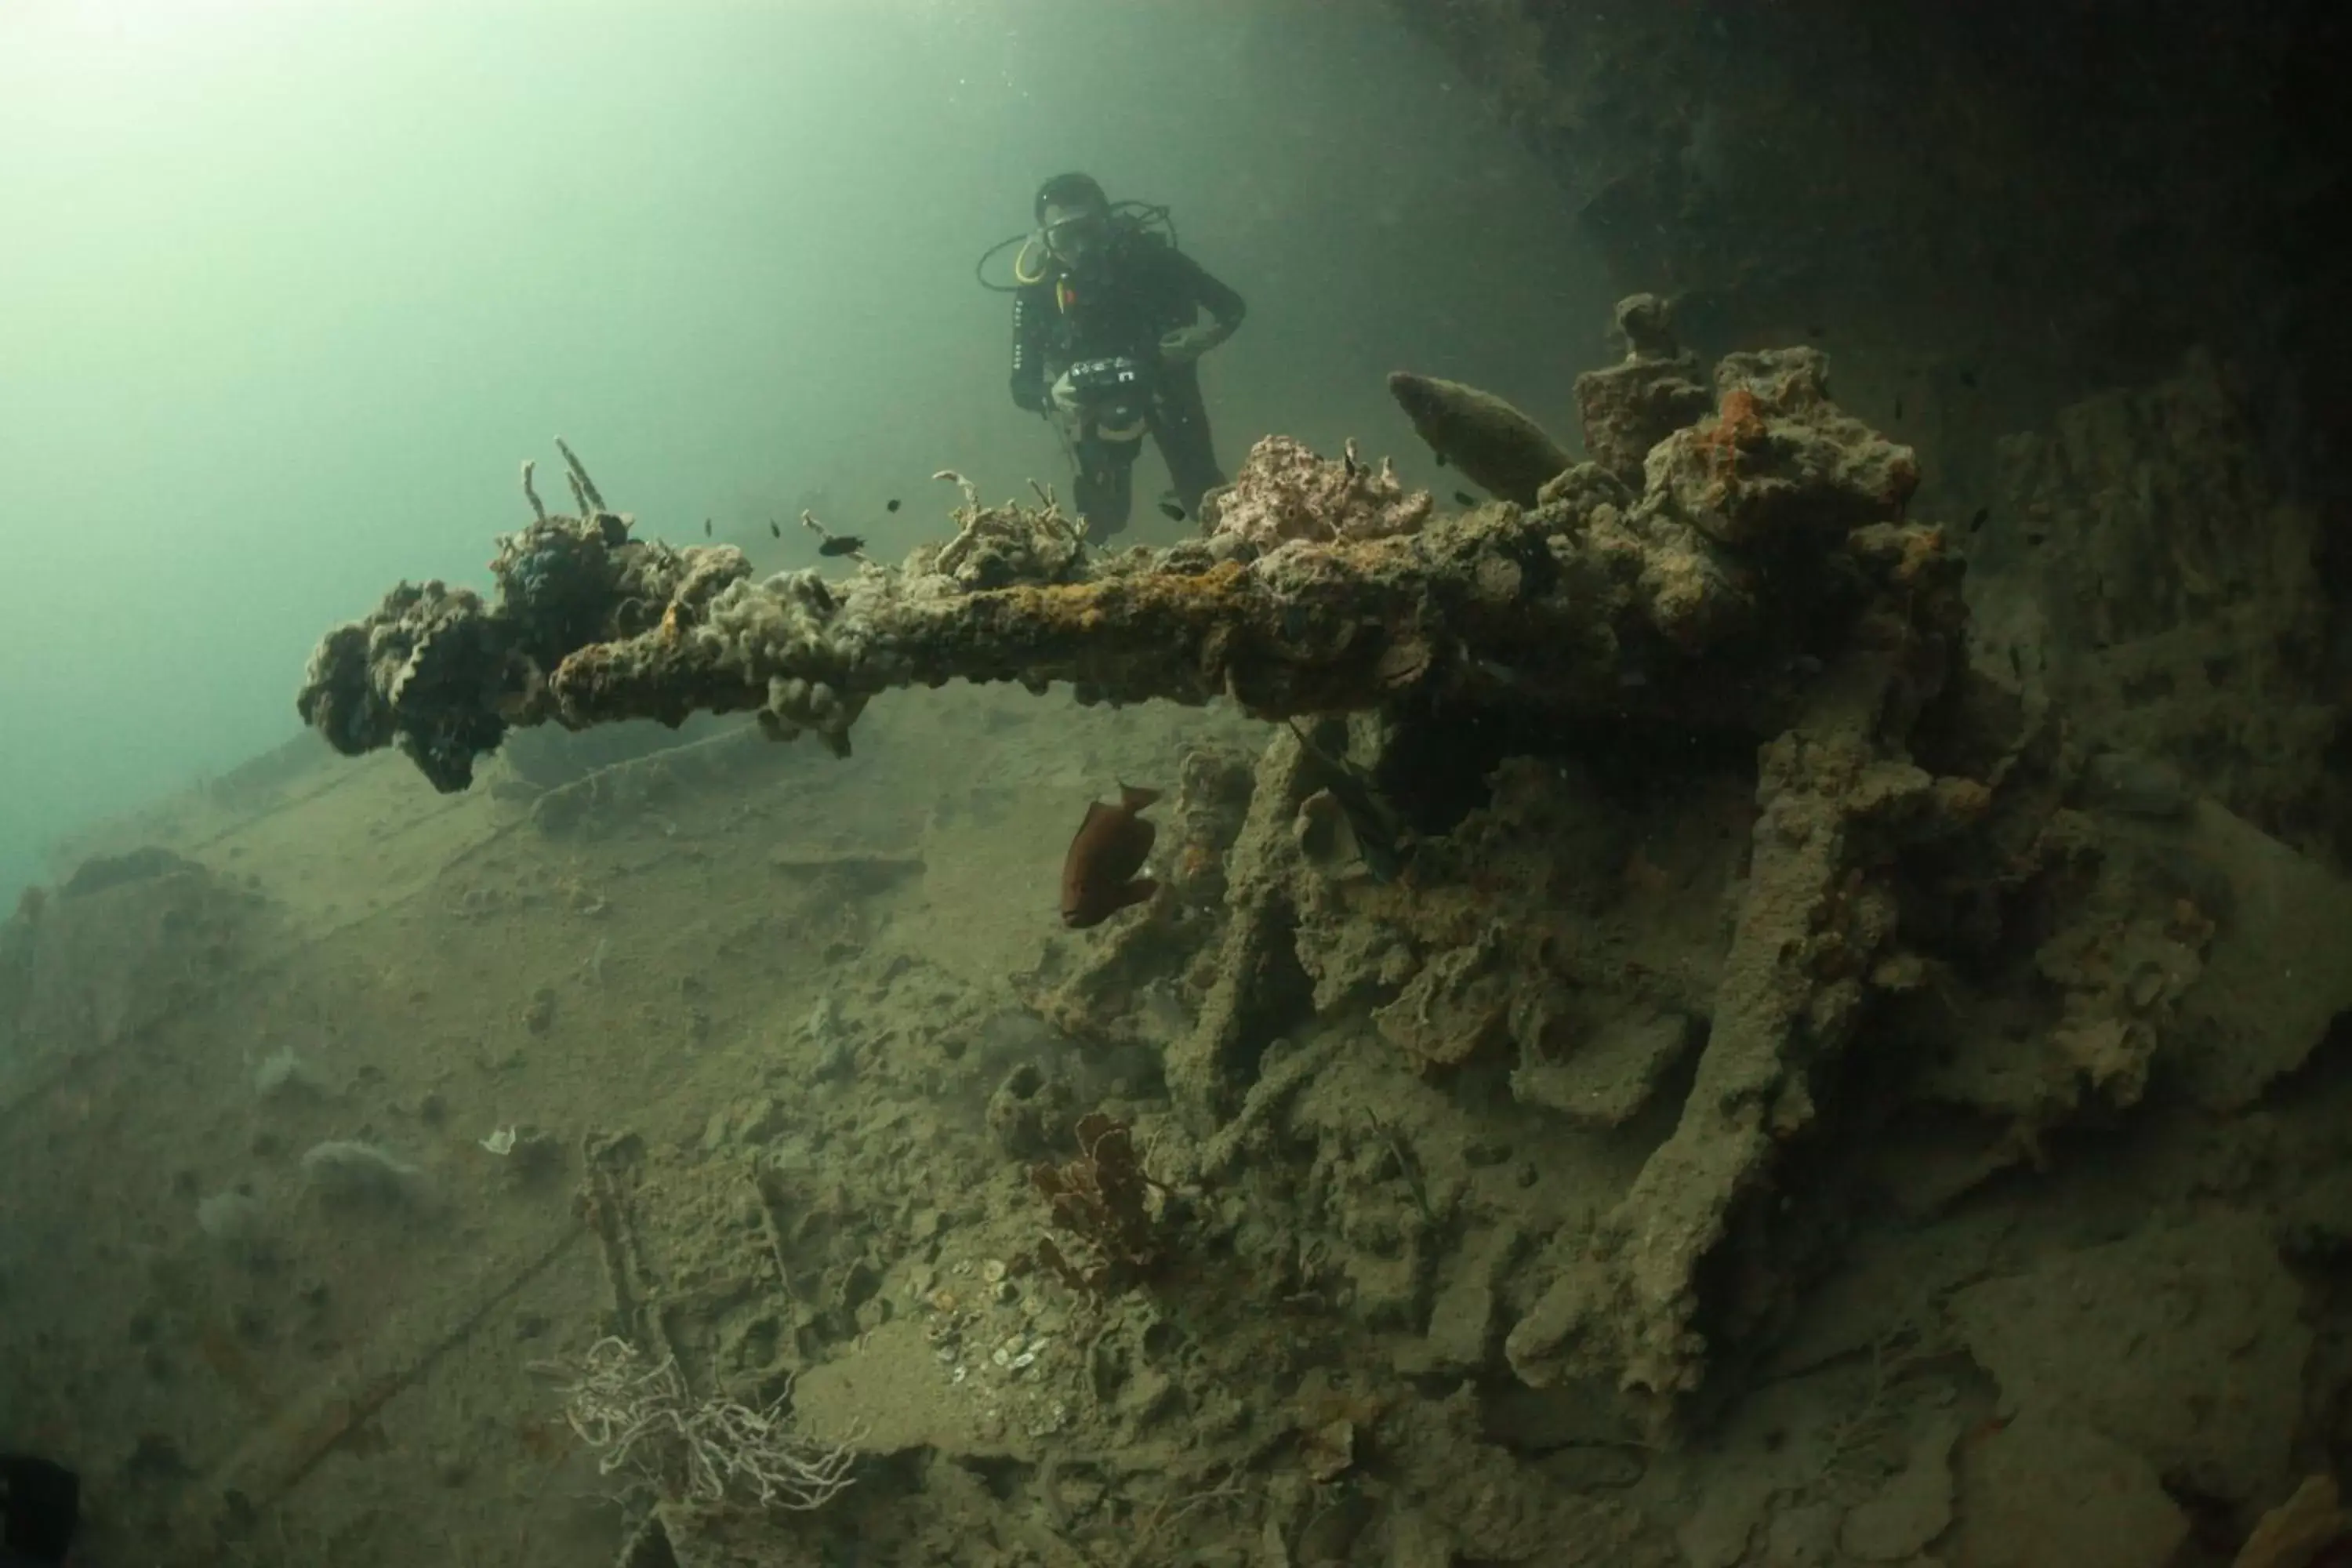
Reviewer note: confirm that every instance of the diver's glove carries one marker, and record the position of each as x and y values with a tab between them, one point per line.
1186	344
1064	396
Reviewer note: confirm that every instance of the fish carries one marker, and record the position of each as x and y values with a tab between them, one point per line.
841	544
1977	521
1898	408
1489	442
706	528
890	505
1381	841
1968	379
775	529
1099	873
1464	498
1170	510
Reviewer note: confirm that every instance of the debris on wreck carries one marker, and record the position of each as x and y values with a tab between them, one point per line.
645	1422
997	546
1111	1218
1699	720
283	1075
1285	494
1629	407
1322	587
345	1171
1762	582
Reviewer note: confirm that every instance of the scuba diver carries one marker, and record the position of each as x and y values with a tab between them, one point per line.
1107	340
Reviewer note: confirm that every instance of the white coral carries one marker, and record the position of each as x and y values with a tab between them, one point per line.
645	1419
1285	492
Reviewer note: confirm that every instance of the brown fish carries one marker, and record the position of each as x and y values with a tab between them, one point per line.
1099	875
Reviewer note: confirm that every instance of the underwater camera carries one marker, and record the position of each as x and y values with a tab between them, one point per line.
1117	394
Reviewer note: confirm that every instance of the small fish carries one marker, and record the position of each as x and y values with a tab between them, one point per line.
1968	379
1099	873
1817	332
1465	498
706	528
841	544
1170	510
890	505
1898	408
1501	674
1977	522
1441	458
775	529
1381	841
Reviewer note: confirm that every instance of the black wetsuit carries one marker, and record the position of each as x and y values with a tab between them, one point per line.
1145	289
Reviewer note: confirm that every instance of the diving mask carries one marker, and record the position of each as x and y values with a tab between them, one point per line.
1077	237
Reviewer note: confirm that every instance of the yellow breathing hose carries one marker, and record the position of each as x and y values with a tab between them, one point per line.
1021	269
